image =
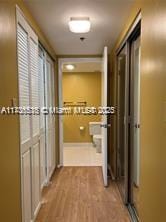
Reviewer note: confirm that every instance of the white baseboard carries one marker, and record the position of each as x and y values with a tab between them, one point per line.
36	211
59	166
43	184
77	144
52	172
48	180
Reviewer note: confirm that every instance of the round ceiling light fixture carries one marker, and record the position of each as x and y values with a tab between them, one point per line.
70	67
79	24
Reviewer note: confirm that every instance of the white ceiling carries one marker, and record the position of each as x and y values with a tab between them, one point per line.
107	19
84	67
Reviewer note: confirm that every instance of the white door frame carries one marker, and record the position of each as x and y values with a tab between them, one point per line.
61	61
104	126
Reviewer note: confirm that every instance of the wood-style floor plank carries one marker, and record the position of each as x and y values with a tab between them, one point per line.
77	194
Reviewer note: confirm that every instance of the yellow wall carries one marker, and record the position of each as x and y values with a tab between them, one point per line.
10	190
80	87
152	194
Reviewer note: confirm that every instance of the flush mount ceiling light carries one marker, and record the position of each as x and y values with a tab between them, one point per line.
79	25
70	67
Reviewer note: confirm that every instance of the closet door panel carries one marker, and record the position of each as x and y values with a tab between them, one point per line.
53	149
26	185
42	120
42	161
23	72
50	119
36	177
53	117
35	99
49	153
25	122
35	103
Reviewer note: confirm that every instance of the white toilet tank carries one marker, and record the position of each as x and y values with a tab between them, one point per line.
94	128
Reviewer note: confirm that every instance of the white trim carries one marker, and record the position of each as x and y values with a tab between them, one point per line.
131	29
104	131
61	61
42	186
21	19
48	181
36	212
76	145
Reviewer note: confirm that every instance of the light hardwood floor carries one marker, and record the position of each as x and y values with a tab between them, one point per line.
77	195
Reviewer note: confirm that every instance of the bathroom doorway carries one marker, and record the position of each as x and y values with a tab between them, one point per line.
81	85
81	88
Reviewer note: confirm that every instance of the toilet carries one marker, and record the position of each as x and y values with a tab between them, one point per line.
97	141
95	132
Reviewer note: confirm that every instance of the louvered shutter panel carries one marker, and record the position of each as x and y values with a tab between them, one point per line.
49	93
35	100
41	66
22	42
53	116
42	93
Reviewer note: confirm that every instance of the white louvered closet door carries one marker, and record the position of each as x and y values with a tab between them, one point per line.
53	159
35	102
41	61
49	120
24	85
27	44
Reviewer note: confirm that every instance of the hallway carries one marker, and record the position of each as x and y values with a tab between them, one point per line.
73	74
77	195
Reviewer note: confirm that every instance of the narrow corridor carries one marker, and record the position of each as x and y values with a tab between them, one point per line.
83	97
77	195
